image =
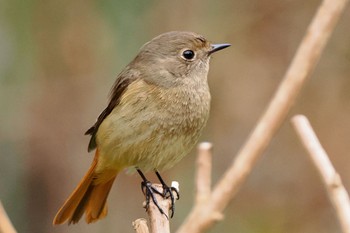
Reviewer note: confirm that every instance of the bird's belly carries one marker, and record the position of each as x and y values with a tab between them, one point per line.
156	142
160	153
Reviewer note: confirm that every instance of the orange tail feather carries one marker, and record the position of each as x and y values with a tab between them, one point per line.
89	197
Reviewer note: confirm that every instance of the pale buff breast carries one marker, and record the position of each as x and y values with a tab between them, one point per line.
151	129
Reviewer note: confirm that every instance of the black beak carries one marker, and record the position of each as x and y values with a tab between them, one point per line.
217	47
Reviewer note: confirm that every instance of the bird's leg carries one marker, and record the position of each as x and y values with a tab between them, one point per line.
149	191
168	192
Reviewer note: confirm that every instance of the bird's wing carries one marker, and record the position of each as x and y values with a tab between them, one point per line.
119	87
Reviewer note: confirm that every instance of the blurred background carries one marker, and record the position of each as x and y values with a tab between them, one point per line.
59	59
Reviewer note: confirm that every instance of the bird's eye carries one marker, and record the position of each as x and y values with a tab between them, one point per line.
188	55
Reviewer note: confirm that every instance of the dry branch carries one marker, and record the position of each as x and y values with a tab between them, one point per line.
203	179
5	223
309	51
140	225
336	191
158	222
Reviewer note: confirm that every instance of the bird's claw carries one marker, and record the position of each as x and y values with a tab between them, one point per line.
168	193
149	191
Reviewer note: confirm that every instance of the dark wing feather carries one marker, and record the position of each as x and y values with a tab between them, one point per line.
118	89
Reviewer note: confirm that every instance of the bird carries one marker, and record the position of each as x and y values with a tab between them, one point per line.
158	107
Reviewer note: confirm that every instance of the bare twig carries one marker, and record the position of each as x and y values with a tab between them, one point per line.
203	178
336	191
140	225
159	223
5	223
309	51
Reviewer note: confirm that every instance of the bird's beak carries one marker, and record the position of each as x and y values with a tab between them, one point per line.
217	47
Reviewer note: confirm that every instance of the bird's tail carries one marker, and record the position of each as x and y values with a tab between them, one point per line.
89	197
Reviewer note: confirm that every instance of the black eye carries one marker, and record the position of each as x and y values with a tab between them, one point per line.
188	54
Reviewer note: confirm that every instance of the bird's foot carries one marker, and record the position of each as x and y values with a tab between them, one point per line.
149	191
168	192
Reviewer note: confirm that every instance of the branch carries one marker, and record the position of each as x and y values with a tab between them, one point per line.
204	216
140	225
5	223
203	180
336	191
159	223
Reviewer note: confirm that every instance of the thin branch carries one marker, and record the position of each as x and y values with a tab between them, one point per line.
158	222
309	51
332	181
5	223
140	225
203	179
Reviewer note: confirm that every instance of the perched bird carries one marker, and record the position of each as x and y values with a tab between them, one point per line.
158	107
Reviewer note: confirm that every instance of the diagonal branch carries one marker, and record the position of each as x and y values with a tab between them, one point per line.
5	223
203	216
336	191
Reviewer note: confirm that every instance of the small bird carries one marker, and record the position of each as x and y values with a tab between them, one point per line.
158	107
